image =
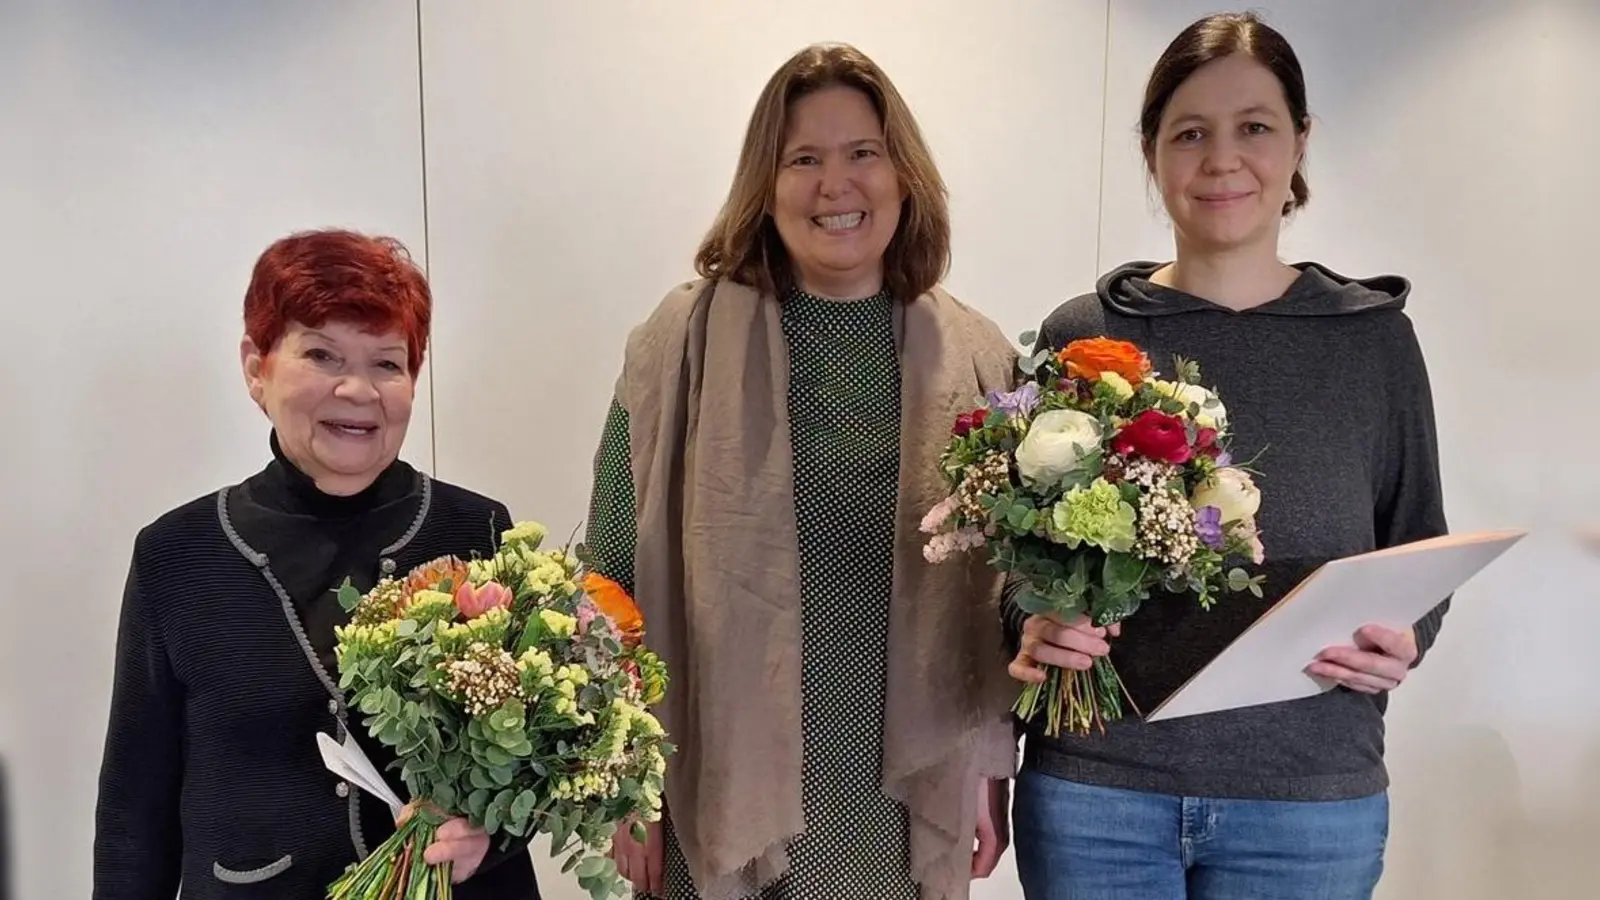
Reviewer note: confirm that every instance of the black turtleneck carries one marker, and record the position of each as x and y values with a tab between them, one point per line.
316	539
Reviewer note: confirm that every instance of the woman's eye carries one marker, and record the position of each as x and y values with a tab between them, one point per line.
866	153
318	355
803	161
1256	128
392	366
1188	136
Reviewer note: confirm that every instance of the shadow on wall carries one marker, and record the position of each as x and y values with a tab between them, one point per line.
1461	829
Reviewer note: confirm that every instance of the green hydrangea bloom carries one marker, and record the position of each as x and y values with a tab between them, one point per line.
1097	516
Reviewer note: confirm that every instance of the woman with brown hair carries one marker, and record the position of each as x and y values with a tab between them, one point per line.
769	454
1284	799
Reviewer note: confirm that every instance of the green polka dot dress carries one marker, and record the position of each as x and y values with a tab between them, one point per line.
844	422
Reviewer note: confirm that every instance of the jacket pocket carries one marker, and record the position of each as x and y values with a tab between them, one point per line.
252	876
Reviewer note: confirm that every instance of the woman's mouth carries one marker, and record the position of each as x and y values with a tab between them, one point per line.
349	428
840	223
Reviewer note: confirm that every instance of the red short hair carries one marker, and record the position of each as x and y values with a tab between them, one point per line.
314	277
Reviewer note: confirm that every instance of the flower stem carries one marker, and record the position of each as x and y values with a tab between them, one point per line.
1080	701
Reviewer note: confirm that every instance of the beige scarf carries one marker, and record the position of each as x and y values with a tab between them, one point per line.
705	385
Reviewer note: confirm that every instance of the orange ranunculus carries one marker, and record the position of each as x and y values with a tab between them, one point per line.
615	603
447	574
1089	357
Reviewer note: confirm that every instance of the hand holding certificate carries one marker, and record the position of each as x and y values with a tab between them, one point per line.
1375	596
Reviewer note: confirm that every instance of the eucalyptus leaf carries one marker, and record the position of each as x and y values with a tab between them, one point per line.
349	597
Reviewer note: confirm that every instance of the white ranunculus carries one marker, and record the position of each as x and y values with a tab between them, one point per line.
1056	444
1230	490
1212	413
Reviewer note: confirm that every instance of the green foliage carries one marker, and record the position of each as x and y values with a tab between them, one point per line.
558	742
1068	545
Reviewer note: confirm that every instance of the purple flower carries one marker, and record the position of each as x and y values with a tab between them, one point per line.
1016	403
1208	526
1224	459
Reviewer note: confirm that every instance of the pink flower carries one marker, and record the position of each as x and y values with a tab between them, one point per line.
474	603
587	612
935	518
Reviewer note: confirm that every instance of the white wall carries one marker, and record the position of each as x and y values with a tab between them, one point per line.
575	153
150	151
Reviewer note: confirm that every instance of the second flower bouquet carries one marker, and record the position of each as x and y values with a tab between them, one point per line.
1095	483
515	691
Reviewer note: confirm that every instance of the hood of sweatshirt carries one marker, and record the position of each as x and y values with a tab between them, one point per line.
1318	291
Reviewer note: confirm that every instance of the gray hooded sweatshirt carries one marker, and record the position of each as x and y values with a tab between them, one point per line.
1329	381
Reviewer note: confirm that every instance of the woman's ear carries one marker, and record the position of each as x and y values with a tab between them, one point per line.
254	365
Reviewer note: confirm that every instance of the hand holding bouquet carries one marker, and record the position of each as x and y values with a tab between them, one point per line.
1095	482
514	691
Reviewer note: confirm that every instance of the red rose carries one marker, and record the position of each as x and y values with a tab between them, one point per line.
1155	435
1205	441
968	421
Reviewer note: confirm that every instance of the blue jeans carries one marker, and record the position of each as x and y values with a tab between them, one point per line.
1077	842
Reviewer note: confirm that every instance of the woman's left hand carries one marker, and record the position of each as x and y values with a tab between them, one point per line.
994	826
456	842
1379	660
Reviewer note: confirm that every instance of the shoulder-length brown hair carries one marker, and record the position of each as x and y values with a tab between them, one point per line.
743	245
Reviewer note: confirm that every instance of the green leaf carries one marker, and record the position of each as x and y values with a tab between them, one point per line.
349	597
592	867
405	628
481	780
1123	574
478	804
639	832
495	756
524	805
1028	338
491	819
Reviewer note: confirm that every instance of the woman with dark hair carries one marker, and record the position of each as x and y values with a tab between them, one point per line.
839	705
1282	800
225	667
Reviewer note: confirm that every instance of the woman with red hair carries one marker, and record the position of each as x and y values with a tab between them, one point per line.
225	669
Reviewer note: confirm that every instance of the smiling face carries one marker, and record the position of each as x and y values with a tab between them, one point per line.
1225	155
339	399
837	200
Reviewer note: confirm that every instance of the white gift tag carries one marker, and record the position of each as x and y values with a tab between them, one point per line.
349	762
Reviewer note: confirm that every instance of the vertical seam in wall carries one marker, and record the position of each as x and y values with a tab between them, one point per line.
1105	135
427	248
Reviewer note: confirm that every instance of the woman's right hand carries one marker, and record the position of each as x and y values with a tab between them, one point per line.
1047	640
640	863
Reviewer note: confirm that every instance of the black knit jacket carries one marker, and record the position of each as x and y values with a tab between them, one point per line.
211	774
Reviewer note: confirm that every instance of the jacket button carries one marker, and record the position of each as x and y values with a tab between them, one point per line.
333	707
343	789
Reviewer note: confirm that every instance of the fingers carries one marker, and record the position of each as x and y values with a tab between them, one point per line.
987	857
1359	670
1073	646
655	879
1025	669
1401	645
456	830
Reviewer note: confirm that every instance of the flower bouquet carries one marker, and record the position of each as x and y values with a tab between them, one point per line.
1094	483
514	691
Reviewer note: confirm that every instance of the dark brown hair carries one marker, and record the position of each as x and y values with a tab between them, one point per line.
1209	40
743	244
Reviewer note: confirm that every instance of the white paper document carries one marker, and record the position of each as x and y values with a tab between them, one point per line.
1393	588
349	762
